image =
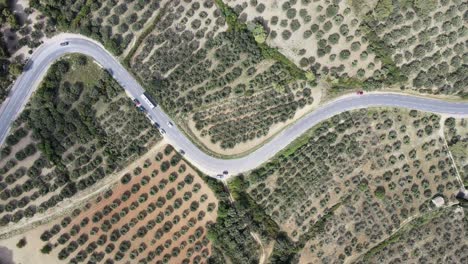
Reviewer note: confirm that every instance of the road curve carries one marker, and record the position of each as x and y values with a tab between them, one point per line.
51	50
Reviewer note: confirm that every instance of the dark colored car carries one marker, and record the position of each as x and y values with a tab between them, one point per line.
137	103
64	43
360	92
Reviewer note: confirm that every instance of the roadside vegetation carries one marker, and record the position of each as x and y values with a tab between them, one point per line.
200	60
21	30
116	23
417	45
78	128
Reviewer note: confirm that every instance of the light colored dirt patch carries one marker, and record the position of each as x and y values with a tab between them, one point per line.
29	254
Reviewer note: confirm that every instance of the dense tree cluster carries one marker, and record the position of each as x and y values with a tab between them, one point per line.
236	222
67	144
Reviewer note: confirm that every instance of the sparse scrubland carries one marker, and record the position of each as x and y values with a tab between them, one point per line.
78	128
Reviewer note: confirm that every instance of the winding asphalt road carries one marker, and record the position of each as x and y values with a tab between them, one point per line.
51	50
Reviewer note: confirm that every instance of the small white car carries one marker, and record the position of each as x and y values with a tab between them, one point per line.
169	123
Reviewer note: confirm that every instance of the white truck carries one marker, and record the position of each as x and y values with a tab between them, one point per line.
148	100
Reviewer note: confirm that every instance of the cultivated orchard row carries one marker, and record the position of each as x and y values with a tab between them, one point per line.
356	177
198	62
158	213
319	35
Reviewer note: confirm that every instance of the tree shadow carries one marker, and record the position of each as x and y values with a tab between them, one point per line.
6	256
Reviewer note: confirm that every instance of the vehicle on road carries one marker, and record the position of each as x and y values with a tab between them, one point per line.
148	100
110	71
142	109
64	43
219	176
208	164
225	172
162	131
27	65
360	92
157	125
137	102
169	123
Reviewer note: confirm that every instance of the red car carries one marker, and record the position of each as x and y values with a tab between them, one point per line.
360	92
